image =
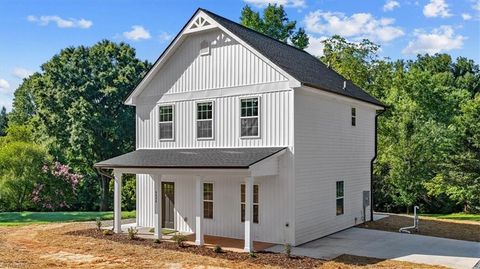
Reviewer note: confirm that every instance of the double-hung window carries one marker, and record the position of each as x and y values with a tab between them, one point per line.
165	128
255	203
208	200
249	119
339	196
205	120
354	116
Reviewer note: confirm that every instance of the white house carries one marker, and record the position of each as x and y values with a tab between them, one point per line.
239	135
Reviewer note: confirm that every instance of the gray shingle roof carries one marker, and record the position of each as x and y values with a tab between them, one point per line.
307	69
190	158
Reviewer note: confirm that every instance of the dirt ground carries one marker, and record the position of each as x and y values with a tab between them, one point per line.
454	229
54	246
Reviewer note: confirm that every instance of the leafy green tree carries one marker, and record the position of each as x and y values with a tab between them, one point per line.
77	104
3	121
275	24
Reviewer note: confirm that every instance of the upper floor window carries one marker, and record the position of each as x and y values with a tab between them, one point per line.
208	200
249	119
243	203
339	196
205	120
204	48
354	116
165	128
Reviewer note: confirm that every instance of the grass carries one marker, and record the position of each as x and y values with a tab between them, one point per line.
24	218
454	216
165	231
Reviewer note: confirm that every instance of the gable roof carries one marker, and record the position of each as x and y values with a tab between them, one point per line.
297	63
301	65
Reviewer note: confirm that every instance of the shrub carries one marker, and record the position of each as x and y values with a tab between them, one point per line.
98	222
252	254
107	232
152	230
157	241
217	249
288	250
132	233
179	239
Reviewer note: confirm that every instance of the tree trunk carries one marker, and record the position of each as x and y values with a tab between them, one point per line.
105	193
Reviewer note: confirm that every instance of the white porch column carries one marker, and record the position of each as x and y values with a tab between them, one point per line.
199	241
117	202
158	207
248	214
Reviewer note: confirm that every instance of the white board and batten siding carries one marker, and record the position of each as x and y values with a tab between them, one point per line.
231	72
329	149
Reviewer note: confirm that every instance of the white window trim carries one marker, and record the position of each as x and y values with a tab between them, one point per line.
213	119
213	200
253	203
251	117
207	52
173	122
342	197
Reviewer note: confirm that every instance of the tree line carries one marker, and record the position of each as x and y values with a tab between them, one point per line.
70	115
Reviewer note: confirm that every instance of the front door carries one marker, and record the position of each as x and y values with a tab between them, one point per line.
168	204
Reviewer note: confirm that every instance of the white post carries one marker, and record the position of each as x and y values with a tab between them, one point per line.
248	214
117	202
158	207
199	240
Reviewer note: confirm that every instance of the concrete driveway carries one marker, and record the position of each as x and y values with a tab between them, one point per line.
390	245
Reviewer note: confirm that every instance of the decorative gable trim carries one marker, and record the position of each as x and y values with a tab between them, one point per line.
200	21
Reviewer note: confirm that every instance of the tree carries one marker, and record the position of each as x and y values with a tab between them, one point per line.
3	121
275	24
76	102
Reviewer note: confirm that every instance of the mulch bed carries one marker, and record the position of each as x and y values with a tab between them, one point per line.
262	257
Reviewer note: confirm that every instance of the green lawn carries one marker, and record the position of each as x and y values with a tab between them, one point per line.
23	218
454	216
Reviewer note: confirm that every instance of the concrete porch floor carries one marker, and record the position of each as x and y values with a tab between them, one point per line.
230	244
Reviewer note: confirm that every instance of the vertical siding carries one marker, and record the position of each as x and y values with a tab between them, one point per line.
275	118
229	64
329	149
226	221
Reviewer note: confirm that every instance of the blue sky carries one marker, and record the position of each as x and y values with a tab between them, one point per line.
31	32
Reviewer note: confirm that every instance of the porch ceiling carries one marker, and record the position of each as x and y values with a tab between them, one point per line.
210	158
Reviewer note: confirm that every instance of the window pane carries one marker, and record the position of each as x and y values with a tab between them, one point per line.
339	189
255	213
339	206
242	193
354	112
249	127
204	111
204	129
166	130
166	113
208	210
208	191
242	213
255	194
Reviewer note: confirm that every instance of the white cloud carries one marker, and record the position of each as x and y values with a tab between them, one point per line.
436	8
390	5
62	23
315	46
4	85
356	26
21	73
438	40
285	3
466	16
476	5
164	37
137	33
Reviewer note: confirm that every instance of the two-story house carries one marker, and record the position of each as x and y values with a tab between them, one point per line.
239	135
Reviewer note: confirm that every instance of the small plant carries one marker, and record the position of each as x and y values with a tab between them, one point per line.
179	239
98	223
107	232
157	241
288	250
217	249
252	254
132	233
152	230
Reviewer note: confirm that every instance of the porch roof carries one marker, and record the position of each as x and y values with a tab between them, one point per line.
216	158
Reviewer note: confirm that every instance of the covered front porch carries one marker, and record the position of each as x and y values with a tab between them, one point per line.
181	181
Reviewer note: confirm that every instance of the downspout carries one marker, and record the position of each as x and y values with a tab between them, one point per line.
372	162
